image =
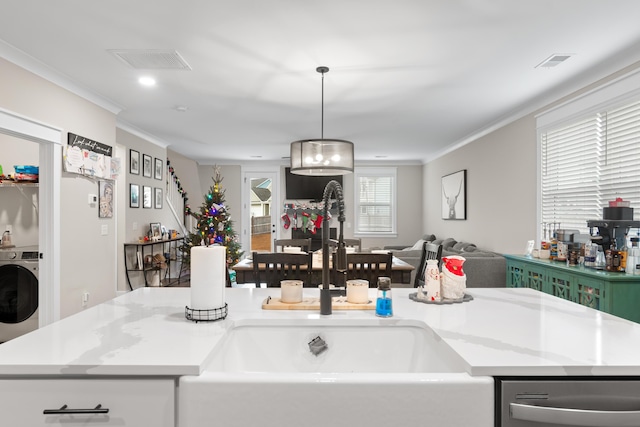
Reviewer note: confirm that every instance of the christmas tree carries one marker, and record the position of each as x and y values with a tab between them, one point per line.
214	225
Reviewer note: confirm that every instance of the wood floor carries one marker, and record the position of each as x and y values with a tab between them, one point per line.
261	242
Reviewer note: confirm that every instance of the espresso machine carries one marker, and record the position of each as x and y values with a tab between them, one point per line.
615	225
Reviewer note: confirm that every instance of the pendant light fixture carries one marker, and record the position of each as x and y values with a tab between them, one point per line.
322	157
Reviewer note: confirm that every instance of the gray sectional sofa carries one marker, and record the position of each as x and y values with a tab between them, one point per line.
484	269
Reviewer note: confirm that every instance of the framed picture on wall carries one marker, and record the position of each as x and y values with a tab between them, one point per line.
146	197
134	195
157	169
146	166
105	201
454	195
158	198
134	162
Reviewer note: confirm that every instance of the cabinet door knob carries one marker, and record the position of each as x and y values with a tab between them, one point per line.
65	410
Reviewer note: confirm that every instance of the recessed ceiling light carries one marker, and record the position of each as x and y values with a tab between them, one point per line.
182	108
554	60
256	157
147	81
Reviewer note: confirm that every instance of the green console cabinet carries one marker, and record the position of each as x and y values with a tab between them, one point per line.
614	293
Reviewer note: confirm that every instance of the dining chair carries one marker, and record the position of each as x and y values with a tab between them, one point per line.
303	244
368	266
429	251
270	268
349	243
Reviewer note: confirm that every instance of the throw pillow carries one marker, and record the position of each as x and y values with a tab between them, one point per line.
464	247
447	243
470	248
417	246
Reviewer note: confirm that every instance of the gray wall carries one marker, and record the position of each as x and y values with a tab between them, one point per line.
136	221
502	181
501	189
87	257
409	202
187	171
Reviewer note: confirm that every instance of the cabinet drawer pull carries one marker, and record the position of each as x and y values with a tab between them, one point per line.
64	410
573	417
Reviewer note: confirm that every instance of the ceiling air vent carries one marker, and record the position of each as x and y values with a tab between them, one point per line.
149	59
554	60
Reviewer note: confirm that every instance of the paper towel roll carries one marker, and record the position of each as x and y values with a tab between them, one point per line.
208	274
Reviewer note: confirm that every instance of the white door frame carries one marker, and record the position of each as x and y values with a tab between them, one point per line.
49	139
249	172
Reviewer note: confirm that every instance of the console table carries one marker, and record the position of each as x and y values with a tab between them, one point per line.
134	263
611	292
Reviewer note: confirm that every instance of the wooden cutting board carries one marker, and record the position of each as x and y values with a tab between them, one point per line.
339	303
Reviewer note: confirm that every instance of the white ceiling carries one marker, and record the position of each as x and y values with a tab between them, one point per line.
409	79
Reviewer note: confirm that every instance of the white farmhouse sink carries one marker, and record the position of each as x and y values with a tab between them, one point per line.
372	373
363	347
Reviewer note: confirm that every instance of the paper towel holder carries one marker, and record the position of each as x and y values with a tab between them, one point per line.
208	315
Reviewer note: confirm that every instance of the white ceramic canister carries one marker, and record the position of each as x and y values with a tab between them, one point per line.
432	280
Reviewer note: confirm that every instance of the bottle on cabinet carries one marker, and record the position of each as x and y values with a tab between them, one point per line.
612	257
633	257
554	248
624	253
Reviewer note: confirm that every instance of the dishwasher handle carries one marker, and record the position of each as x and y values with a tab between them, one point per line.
574	417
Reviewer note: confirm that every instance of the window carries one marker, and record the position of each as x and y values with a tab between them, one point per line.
587	163
375	201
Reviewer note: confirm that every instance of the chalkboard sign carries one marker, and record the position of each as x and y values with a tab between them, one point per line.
87	157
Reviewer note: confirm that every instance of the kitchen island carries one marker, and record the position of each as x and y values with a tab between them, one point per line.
137	346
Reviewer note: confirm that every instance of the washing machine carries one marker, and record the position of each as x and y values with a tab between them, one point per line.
18	291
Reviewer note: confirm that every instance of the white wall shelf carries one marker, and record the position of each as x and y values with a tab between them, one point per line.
5	184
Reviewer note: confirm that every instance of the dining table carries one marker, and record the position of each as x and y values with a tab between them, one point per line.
400	272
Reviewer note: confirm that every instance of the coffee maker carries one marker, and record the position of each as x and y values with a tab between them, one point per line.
615	225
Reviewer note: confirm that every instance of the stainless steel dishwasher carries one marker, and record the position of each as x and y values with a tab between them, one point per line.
568	402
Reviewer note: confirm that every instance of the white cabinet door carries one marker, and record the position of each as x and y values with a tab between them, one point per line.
125	402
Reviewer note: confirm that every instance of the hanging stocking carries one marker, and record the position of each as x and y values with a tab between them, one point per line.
286	221
312	223
318	221
305	220
295	220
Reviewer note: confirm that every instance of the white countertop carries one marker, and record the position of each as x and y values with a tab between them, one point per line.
501	332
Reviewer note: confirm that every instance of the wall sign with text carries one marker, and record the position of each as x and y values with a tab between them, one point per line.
85	156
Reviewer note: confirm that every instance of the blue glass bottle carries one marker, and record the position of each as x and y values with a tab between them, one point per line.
384	303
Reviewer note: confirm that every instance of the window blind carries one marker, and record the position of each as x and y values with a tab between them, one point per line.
589	162
375	202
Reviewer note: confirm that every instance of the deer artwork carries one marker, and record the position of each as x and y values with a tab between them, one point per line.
452	200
